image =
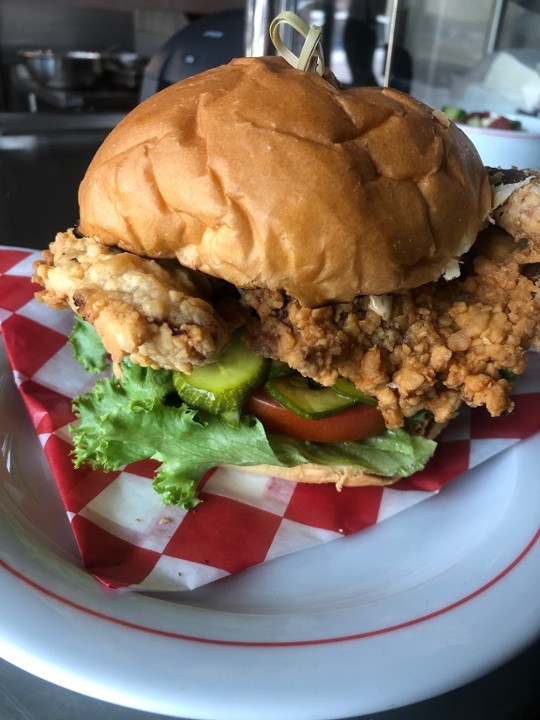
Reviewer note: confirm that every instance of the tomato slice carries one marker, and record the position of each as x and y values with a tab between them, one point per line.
356	423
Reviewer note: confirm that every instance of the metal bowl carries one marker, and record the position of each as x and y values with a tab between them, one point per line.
63	70
124	69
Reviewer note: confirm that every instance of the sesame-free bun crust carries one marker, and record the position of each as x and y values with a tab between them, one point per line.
270	177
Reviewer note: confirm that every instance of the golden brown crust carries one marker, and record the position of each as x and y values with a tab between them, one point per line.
364	191
444	343
519	212
157	314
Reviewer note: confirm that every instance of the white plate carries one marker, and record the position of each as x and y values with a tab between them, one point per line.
408	609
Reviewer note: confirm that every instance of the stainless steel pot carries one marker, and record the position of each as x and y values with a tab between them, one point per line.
63	70
124	69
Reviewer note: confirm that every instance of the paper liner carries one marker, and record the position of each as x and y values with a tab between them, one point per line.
128	538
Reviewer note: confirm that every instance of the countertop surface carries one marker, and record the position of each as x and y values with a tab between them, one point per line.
510	693
42	160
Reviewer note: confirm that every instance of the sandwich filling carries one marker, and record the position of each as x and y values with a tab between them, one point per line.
442	344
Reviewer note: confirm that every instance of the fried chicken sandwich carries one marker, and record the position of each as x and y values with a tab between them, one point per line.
290	278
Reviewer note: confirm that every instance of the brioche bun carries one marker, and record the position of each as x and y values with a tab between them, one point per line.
271	177
341	476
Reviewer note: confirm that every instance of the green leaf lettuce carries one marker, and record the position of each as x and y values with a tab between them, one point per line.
87	347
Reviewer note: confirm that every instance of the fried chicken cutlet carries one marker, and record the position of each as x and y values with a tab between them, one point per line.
517	210
444	343
156	313
439	345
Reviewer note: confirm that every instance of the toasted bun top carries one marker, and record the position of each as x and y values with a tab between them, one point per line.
271	177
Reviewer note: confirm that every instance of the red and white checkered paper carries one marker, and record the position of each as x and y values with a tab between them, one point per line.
128	538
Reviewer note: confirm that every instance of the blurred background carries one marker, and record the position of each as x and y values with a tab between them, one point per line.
482	54
70	69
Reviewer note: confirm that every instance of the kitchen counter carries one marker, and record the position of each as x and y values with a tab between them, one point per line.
42	160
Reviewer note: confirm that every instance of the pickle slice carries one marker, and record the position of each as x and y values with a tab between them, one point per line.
314	403
347	389
222	386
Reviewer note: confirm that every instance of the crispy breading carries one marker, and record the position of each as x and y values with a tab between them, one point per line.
156	313
444	344
519	215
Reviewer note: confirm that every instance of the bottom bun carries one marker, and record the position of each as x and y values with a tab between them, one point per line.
341	476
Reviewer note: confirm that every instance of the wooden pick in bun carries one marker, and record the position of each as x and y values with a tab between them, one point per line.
271	177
